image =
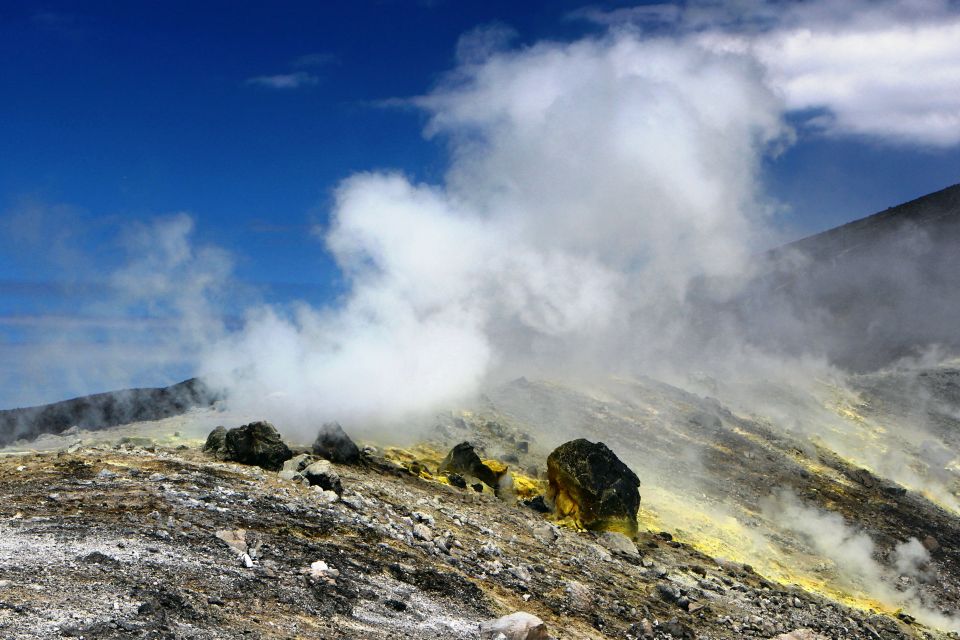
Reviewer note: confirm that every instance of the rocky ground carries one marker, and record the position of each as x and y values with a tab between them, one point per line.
823	511
125	538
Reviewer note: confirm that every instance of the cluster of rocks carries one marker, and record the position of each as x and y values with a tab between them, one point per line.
588	487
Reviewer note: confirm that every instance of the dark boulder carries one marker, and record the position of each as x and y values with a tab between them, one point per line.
463	459
257	443
335	445
538	504
322	474
456	480
591	485
216	442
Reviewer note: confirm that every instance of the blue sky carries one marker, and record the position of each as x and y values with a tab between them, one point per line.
247	115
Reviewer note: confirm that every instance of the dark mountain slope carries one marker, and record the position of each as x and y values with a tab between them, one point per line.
103	410
867	293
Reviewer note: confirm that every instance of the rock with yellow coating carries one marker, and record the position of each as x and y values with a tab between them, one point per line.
592	487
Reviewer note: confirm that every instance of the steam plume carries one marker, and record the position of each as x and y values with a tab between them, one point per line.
589	183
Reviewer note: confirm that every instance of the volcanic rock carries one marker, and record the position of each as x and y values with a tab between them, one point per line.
216	443
800	634
257	443
618	543
516	626
321	474
930	544
456	480
590	484
293	468
464	459
335	445
538	504
545	533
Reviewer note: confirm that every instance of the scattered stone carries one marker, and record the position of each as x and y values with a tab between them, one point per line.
335	445
538	504
464	459
668	592
930	544
321	474
895	491
321	572
257	443
579	596
600	553
676	629
422	532
520	573
396	605
545	533
99	558
618	543
516	626
590	484
646	629
236	539
801	634
864	477
293	468
456	480
328	497
298	462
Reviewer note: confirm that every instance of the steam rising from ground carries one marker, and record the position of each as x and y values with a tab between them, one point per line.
853	554
589	183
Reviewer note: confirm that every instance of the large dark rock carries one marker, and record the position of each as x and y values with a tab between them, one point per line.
463	459
216	443
335	445
257	443
591	485
323	475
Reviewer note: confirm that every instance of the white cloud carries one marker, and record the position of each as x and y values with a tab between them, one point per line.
481	42
295	80
886	70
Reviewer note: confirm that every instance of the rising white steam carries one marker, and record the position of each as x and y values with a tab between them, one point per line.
854	556
588	184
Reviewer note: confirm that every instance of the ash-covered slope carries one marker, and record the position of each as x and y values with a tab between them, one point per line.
103	410
866	293
111	537
813	485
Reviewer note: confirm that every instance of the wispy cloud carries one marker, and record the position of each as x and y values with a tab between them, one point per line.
285	81
312	60
481	42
